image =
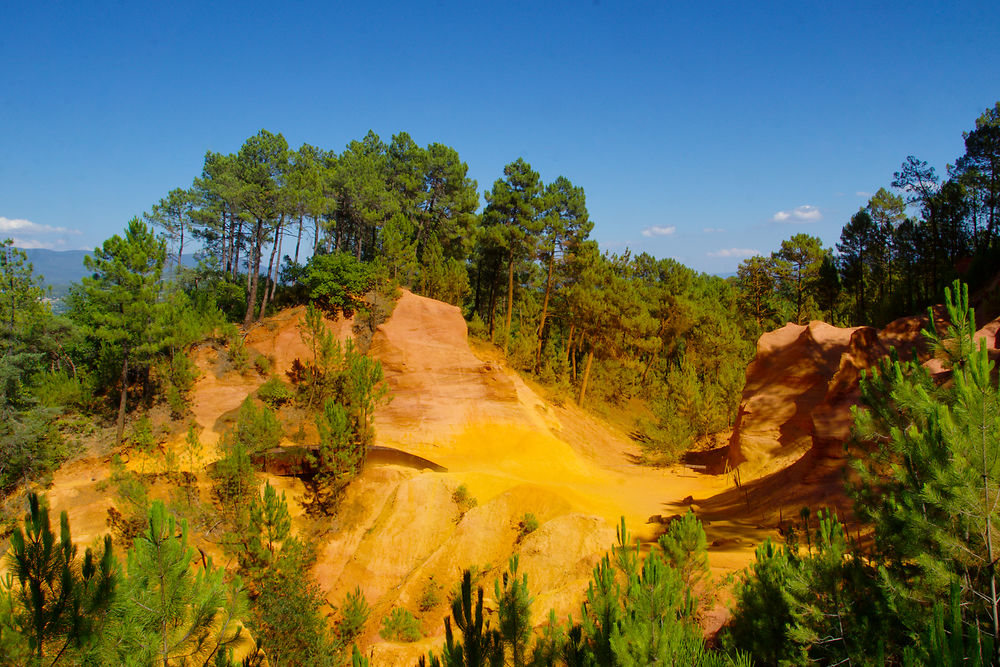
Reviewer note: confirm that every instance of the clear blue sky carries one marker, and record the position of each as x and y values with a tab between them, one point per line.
699	132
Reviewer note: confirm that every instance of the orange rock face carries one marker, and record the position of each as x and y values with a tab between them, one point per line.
804	381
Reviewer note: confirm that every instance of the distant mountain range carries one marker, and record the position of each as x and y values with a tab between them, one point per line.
61	268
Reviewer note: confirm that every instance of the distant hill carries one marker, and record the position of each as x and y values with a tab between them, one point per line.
59	268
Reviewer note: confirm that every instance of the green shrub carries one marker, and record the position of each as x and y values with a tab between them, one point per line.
527	525
275	393
257	429
177	401
354	612
262	364
478	328
430	596
462	498
336	280
183	372
58	389
238	355
400	626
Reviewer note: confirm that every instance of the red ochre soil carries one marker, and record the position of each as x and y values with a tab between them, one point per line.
399	531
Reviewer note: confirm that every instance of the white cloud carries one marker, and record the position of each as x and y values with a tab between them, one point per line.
739	253
28	234
804	213
659	231
862	193
713	230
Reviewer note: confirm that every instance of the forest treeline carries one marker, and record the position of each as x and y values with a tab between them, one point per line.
275	227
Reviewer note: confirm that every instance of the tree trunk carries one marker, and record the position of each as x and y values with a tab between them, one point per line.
269	282
180	248
277	269
569	342
586	376
121	404
236	248
510	302
493	304
253	275
298	242
545	310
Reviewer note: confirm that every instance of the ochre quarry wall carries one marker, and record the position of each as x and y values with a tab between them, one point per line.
803	382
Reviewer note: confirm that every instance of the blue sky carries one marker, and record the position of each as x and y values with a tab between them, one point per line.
701	133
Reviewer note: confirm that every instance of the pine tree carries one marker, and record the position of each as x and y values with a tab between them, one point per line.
123	297
514	613
171	612
929	475
61	600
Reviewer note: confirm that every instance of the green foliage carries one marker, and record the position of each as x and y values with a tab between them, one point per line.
337	280
239	357
513	613
257	429
527	525
354	612
637	612
927	471
400	626
123	311
170	611
685	549
233	477
285	613
128	518
275	393
262	364
463	499
59	601
339	458
61	389
480	645
31	446
430	595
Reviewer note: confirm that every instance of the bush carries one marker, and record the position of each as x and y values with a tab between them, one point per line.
478	328
262	364
238	355
257	429
430	596
177	401
183	372
336	280
526	526
58	389
462	498
354	612
275	393
400	626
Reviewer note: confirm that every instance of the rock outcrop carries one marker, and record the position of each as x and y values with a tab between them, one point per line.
802	384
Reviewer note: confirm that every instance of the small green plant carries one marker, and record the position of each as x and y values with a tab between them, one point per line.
274	392
142	439
430	596
238	355
527	525
400	626
262	364
354	612
463	499
176	400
